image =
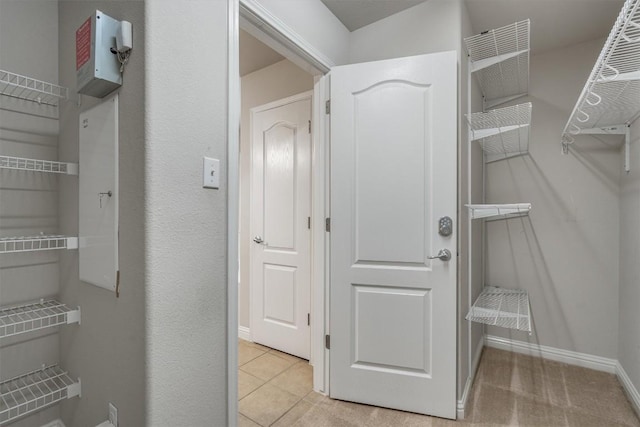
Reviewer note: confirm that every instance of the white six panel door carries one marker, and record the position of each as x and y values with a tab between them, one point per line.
393	175
280	208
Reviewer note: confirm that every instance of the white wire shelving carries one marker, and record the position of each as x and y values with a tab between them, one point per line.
21	163
33	317
34	391
503	133
500	60
37	243
610	99
498	211
507	308
27	88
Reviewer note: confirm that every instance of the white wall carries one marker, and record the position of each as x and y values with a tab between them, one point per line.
29	201
274	82
629	315
565	254
432	26
313	22
107	351
185	225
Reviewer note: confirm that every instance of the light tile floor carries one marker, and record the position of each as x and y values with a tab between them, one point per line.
275	389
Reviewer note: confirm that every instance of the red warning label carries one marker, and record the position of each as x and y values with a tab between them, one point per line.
83	44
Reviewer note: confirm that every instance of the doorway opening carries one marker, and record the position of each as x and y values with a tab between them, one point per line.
273	78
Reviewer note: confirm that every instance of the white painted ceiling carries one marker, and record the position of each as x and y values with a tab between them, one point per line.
356	14
554	23
255	55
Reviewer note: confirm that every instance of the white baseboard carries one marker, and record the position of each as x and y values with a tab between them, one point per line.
244	333
462	403
629	388
56	423
559	355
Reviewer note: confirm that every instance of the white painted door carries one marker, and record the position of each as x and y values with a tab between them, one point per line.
393	175
280	211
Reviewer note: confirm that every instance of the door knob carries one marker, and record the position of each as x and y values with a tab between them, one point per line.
259	240
443	255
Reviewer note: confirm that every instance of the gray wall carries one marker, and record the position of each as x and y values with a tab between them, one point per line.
629	315
277	81
29	201
185	225
565	254
108	350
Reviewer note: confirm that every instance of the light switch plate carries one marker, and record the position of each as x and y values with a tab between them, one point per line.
211	173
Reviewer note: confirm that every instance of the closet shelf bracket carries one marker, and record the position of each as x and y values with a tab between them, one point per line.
36	316
37	243
499	59
610	100
36	165
35	391
498	211
507	308
26	88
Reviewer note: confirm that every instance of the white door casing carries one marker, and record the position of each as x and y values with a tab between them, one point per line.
280	211
393	175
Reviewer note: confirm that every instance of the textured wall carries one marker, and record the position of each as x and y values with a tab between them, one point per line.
108	350
629	316
185	225
566	252
277	81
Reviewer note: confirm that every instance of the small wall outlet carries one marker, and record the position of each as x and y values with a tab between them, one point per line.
113	414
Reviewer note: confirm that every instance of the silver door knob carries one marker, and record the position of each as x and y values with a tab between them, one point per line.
443	255
259	240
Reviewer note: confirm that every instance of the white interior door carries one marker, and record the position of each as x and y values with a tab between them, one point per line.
280	221
393	176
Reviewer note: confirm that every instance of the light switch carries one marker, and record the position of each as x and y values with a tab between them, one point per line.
211	173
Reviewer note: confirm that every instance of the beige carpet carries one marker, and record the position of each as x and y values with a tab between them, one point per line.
510	390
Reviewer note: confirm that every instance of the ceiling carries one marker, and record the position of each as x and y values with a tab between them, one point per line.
255	55
356	14
554	23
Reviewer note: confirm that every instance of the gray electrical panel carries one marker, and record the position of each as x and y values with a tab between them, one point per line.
97	67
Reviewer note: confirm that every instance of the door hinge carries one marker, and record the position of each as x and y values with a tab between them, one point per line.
327	106
308	319
309	126
327	224
327	342
309	222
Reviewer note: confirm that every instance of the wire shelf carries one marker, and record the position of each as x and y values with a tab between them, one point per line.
33	317
20	163
34	391
37	243
507	308
23	87
500	60
502	211
610	99
503	132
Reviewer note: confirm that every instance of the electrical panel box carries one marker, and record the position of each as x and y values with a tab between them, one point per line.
97	67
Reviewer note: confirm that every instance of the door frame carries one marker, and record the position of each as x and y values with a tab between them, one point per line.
266	27
257	109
